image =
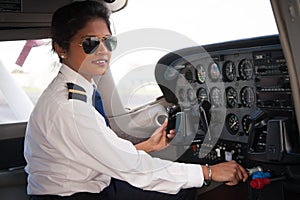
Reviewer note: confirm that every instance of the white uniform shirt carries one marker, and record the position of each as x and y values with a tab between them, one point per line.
69	149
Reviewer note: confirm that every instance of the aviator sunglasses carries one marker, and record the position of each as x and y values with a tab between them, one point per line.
90	44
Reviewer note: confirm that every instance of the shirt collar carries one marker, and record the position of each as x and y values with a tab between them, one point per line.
74	77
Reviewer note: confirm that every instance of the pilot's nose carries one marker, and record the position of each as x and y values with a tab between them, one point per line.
102	48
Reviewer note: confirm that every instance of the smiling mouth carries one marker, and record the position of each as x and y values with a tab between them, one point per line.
100	62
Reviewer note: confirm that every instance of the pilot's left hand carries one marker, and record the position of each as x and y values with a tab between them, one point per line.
158	140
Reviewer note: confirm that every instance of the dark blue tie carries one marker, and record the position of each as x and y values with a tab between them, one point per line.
97	103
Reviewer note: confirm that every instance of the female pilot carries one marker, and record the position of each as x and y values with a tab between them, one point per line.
70	150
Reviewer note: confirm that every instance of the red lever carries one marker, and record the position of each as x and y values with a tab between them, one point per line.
259	183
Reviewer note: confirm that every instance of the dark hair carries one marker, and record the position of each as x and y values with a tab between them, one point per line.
69	19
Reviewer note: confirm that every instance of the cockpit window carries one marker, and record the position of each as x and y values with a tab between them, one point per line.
26	68
189	23
146	30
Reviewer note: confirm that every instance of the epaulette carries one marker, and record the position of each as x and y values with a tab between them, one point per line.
76	92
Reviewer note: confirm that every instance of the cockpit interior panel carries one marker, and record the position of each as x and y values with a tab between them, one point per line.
241	95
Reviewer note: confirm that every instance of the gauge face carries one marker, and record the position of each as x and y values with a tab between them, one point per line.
229	71
246	69
216	97
191	95
247	97
201	74
246	121
202	94
231	97
232	123
214	72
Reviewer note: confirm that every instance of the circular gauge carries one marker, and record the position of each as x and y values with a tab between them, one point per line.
202	94
216	97
229	71
232	123
201	74
231	97
247	96
182	94
245	69
214	72
246	121
191	95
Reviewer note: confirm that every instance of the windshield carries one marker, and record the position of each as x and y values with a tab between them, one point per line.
146	30
205	22
173	24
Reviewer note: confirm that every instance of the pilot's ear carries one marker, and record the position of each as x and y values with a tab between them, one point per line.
60	51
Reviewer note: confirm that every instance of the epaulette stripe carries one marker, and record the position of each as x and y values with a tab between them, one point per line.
76	92
78	97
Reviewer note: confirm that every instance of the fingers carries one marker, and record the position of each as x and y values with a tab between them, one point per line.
231	183
171	134
244	173
165	123
163	127
230	172
240	173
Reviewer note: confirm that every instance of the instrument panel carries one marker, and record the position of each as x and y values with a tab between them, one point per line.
227	88
237	79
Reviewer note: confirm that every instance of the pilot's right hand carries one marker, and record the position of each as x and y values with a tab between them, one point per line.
158	140
230	173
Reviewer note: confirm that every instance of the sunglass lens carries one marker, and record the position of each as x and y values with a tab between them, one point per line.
90	44
110	43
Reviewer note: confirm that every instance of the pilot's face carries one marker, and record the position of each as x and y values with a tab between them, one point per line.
93	61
